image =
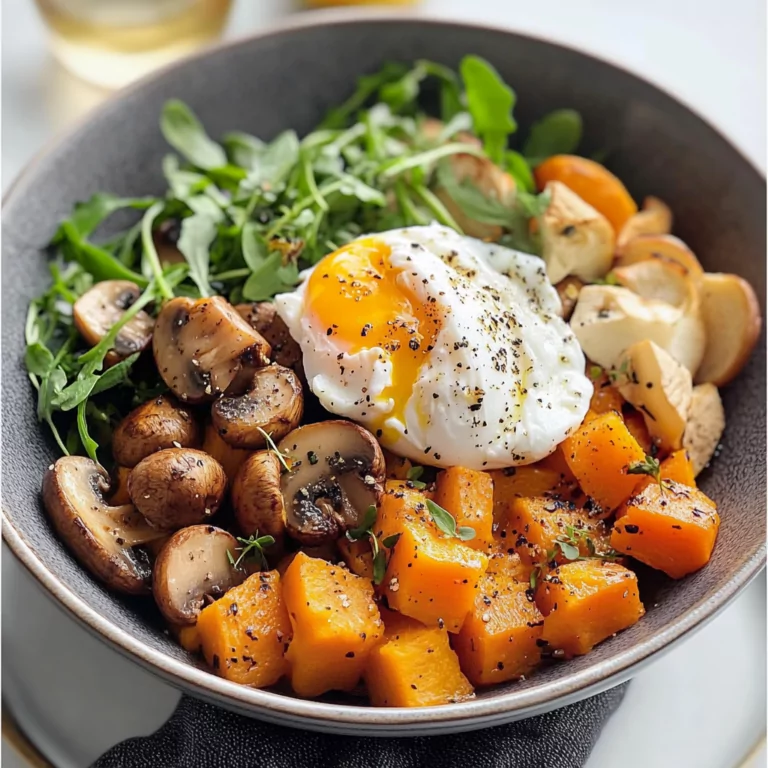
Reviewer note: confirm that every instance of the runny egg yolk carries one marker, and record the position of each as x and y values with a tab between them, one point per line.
355	296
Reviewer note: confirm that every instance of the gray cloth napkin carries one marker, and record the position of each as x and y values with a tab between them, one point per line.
199	735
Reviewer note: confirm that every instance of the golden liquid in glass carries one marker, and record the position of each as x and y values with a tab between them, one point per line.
111	42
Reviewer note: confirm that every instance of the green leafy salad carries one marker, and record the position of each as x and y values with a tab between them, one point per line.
242	217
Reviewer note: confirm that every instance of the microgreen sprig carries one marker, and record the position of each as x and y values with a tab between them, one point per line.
253	546
365	530
274	449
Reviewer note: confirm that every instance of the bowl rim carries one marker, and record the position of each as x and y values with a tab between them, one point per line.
506	706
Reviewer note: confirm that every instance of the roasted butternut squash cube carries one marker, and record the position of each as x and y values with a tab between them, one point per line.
468	495
399	505
244	634
189	638
431	577
636	425
679	468
584	602
668	526
357	555
536	524
414	666
605	397
599	454
397	467
335	625
499	639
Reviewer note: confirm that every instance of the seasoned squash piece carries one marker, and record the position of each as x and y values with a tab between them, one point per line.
514	482
679	467
431	577
245	633
599	454
335	625
468	495
397	466
670	527
499	638
414	666
357	555
605	397
585	602
399	504
535	524
636	426
188	637
508	564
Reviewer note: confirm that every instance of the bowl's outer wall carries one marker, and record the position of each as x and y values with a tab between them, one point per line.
288	80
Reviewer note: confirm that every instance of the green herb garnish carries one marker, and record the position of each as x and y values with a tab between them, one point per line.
650	466
274	449
365	529
446	522
414	476
253	546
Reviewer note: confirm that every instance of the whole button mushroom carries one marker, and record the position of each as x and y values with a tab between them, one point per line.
177	487
106	539
99	308
194	565
204	348
258	497
159	423
273	405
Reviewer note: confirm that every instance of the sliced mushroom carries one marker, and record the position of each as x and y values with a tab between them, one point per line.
203	348
273	405
660	388
608	319
159	423
654	219
568	291
106	539
337	472
576	239
258	498
732	319
664	248
177	487
263	317
192	567
706	422
231	459
490	181
99	308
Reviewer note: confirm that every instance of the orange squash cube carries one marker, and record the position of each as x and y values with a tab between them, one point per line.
586	601
244	634
414	666
431	577
535	524
397	467
678	467
399	505
672	528
636	425
499	638
605	397
357	555
599	454
468	495
335	625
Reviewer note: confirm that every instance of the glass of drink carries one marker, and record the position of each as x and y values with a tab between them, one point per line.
112	42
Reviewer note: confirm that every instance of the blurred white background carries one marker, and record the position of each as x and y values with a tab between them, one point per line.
702	705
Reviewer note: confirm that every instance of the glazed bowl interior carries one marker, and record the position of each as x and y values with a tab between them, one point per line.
289	78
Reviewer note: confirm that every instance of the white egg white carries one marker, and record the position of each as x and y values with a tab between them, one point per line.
504	384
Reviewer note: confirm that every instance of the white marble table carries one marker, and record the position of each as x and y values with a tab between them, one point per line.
702	705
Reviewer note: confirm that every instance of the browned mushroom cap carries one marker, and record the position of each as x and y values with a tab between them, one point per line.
203	347
263	317
176	487
337	472
273	405
257	496
159	423
99	308
192	566
102	537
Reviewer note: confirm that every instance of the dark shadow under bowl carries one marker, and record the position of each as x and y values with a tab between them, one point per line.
288	78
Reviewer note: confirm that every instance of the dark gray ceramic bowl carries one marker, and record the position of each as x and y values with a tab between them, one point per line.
288	77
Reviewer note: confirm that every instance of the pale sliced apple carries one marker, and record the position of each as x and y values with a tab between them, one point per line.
654	219
609	319
732	319
659	279
576	239
660	388
661	248
706	422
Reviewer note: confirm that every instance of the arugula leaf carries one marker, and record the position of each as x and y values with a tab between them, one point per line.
254	246
270	278
518	167
185	133
490	101
88	215
115	375
182	182
38	359
534	205
90	445
473	203
197	234
558	133
150	260
275	162
243	149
